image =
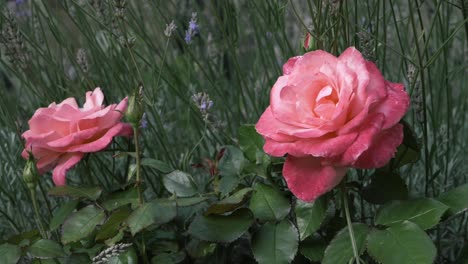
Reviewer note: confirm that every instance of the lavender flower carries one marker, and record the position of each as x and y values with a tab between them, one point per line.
170	28
203	103
144	121
188	37
193	28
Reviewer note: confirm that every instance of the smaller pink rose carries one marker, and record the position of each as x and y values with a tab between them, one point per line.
60	134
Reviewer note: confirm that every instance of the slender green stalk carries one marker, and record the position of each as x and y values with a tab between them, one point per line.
349	223
138	164
161	67
37	214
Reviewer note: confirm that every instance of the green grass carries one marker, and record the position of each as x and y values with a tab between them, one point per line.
236	60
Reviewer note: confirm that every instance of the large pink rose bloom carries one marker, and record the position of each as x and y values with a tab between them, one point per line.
60	134
329	114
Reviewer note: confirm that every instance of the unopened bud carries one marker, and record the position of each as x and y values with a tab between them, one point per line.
30	173
309	42
134	112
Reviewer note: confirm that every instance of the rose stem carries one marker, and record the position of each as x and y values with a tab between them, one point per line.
36	213
348	221
137	157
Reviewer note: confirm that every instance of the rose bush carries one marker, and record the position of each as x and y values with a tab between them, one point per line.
328	114
60	134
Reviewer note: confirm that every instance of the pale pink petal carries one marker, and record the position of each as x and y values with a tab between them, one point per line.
395	105
65	163
353	59
307	178
102	142
289	65
42	123
104	118
376	88
93	99
269	126
69	101
367	132
313	62
47	162
39	140
382	149
74	138
320	147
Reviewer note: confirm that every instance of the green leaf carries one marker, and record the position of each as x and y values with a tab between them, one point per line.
81	224
456	199
24	238
45	248
402	243
153	213
250	141
230	203
221	228
157	164
269	204
198	248
340	250
425	212
44	261
313	249
111	227
127	257
10	253
385	187
232	162
228	183
184	202
408	151
168	258
309	216
91	193
62	213
120	198
179	183
78	259
275	243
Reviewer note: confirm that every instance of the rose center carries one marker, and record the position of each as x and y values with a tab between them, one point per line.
325	102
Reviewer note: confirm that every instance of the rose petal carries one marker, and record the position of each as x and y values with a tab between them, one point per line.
69	101
289	65
369	130
65	163
307	178
102	142
395	105
74	138
382	149
269	126
93	99
320	147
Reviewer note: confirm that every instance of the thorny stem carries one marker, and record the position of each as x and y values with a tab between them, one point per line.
37	215
349	223
138	165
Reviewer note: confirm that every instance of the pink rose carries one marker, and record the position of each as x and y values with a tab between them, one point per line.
329	114
60	134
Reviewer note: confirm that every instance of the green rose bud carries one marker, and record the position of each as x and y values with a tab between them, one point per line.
134	111
30	173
